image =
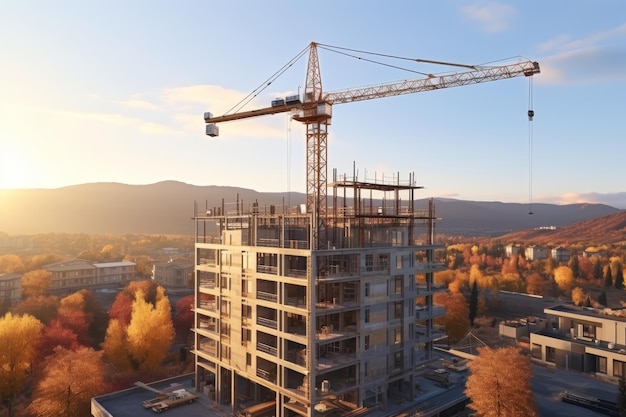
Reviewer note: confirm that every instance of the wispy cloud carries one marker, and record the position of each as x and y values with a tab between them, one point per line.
617	199
598	58
492	16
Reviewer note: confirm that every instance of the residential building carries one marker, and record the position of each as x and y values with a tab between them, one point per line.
175	273
108	273
583	339
560	254
311	314
536	253
76	274
513	249
10	288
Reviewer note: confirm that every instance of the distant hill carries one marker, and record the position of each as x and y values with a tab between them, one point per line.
167	208
599	230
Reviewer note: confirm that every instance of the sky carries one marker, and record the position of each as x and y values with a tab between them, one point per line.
115	91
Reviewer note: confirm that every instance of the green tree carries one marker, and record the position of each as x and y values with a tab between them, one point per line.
608	278
574	265
602	299
18	337
619	276
499	384
473	303
597	270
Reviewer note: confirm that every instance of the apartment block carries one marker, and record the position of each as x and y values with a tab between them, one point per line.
76	274
584	339
302	313
10	288
174	273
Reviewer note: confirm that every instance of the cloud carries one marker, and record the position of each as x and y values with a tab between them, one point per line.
597	58
617	200
142	125
492	16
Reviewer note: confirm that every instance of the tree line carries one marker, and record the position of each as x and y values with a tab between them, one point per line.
56	353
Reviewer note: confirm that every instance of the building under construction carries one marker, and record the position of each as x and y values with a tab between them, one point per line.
308	323
324	308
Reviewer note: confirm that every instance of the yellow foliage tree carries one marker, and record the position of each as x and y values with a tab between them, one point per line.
19	335
70	379
499	384
150	331
564	278
115	347
36	283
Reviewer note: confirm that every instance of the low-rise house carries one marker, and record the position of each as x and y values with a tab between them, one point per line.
583	339
536	253
175	273
10	288
76	274
513	249
561	254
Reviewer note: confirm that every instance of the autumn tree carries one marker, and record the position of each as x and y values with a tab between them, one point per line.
499	384
473	303
55	335
564	278
11	264
456	319
597	270
36	283
18	337
535	284
143	342
579	297
70	379
115	347
151	331
43	308
183	318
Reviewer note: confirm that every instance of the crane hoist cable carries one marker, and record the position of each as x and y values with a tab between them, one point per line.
247	99
531	115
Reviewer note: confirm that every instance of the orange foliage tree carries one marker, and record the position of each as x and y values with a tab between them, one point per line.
11	264
456	319
70	379
499	384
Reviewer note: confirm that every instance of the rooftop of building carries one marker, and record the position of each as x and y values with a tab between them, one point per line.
615	313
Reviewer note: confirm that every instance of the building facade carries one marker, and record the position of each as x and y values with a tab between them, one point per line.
10	288
175	273
536	253
76	274
583	339
560	254
313	317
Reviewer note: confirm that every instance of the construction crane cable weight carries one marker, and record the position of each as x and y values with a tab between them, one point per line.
314	109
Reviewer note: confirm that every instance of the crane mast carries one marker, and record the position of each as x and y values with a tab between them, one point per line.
315	112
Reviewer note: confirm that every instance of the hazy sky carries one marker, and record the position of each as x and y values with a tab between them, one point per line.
114	91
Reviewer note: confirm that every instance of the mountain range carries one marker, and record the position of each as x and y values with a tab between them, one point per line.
167	208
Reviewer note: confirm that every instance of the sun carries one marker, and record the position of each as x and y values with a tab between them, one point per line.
14	172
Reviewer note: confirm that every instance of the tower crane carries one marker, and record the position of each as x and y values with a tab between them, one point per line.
314	109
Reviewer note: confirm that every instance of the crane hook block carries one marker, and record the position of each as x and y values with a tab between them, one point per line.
531	114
